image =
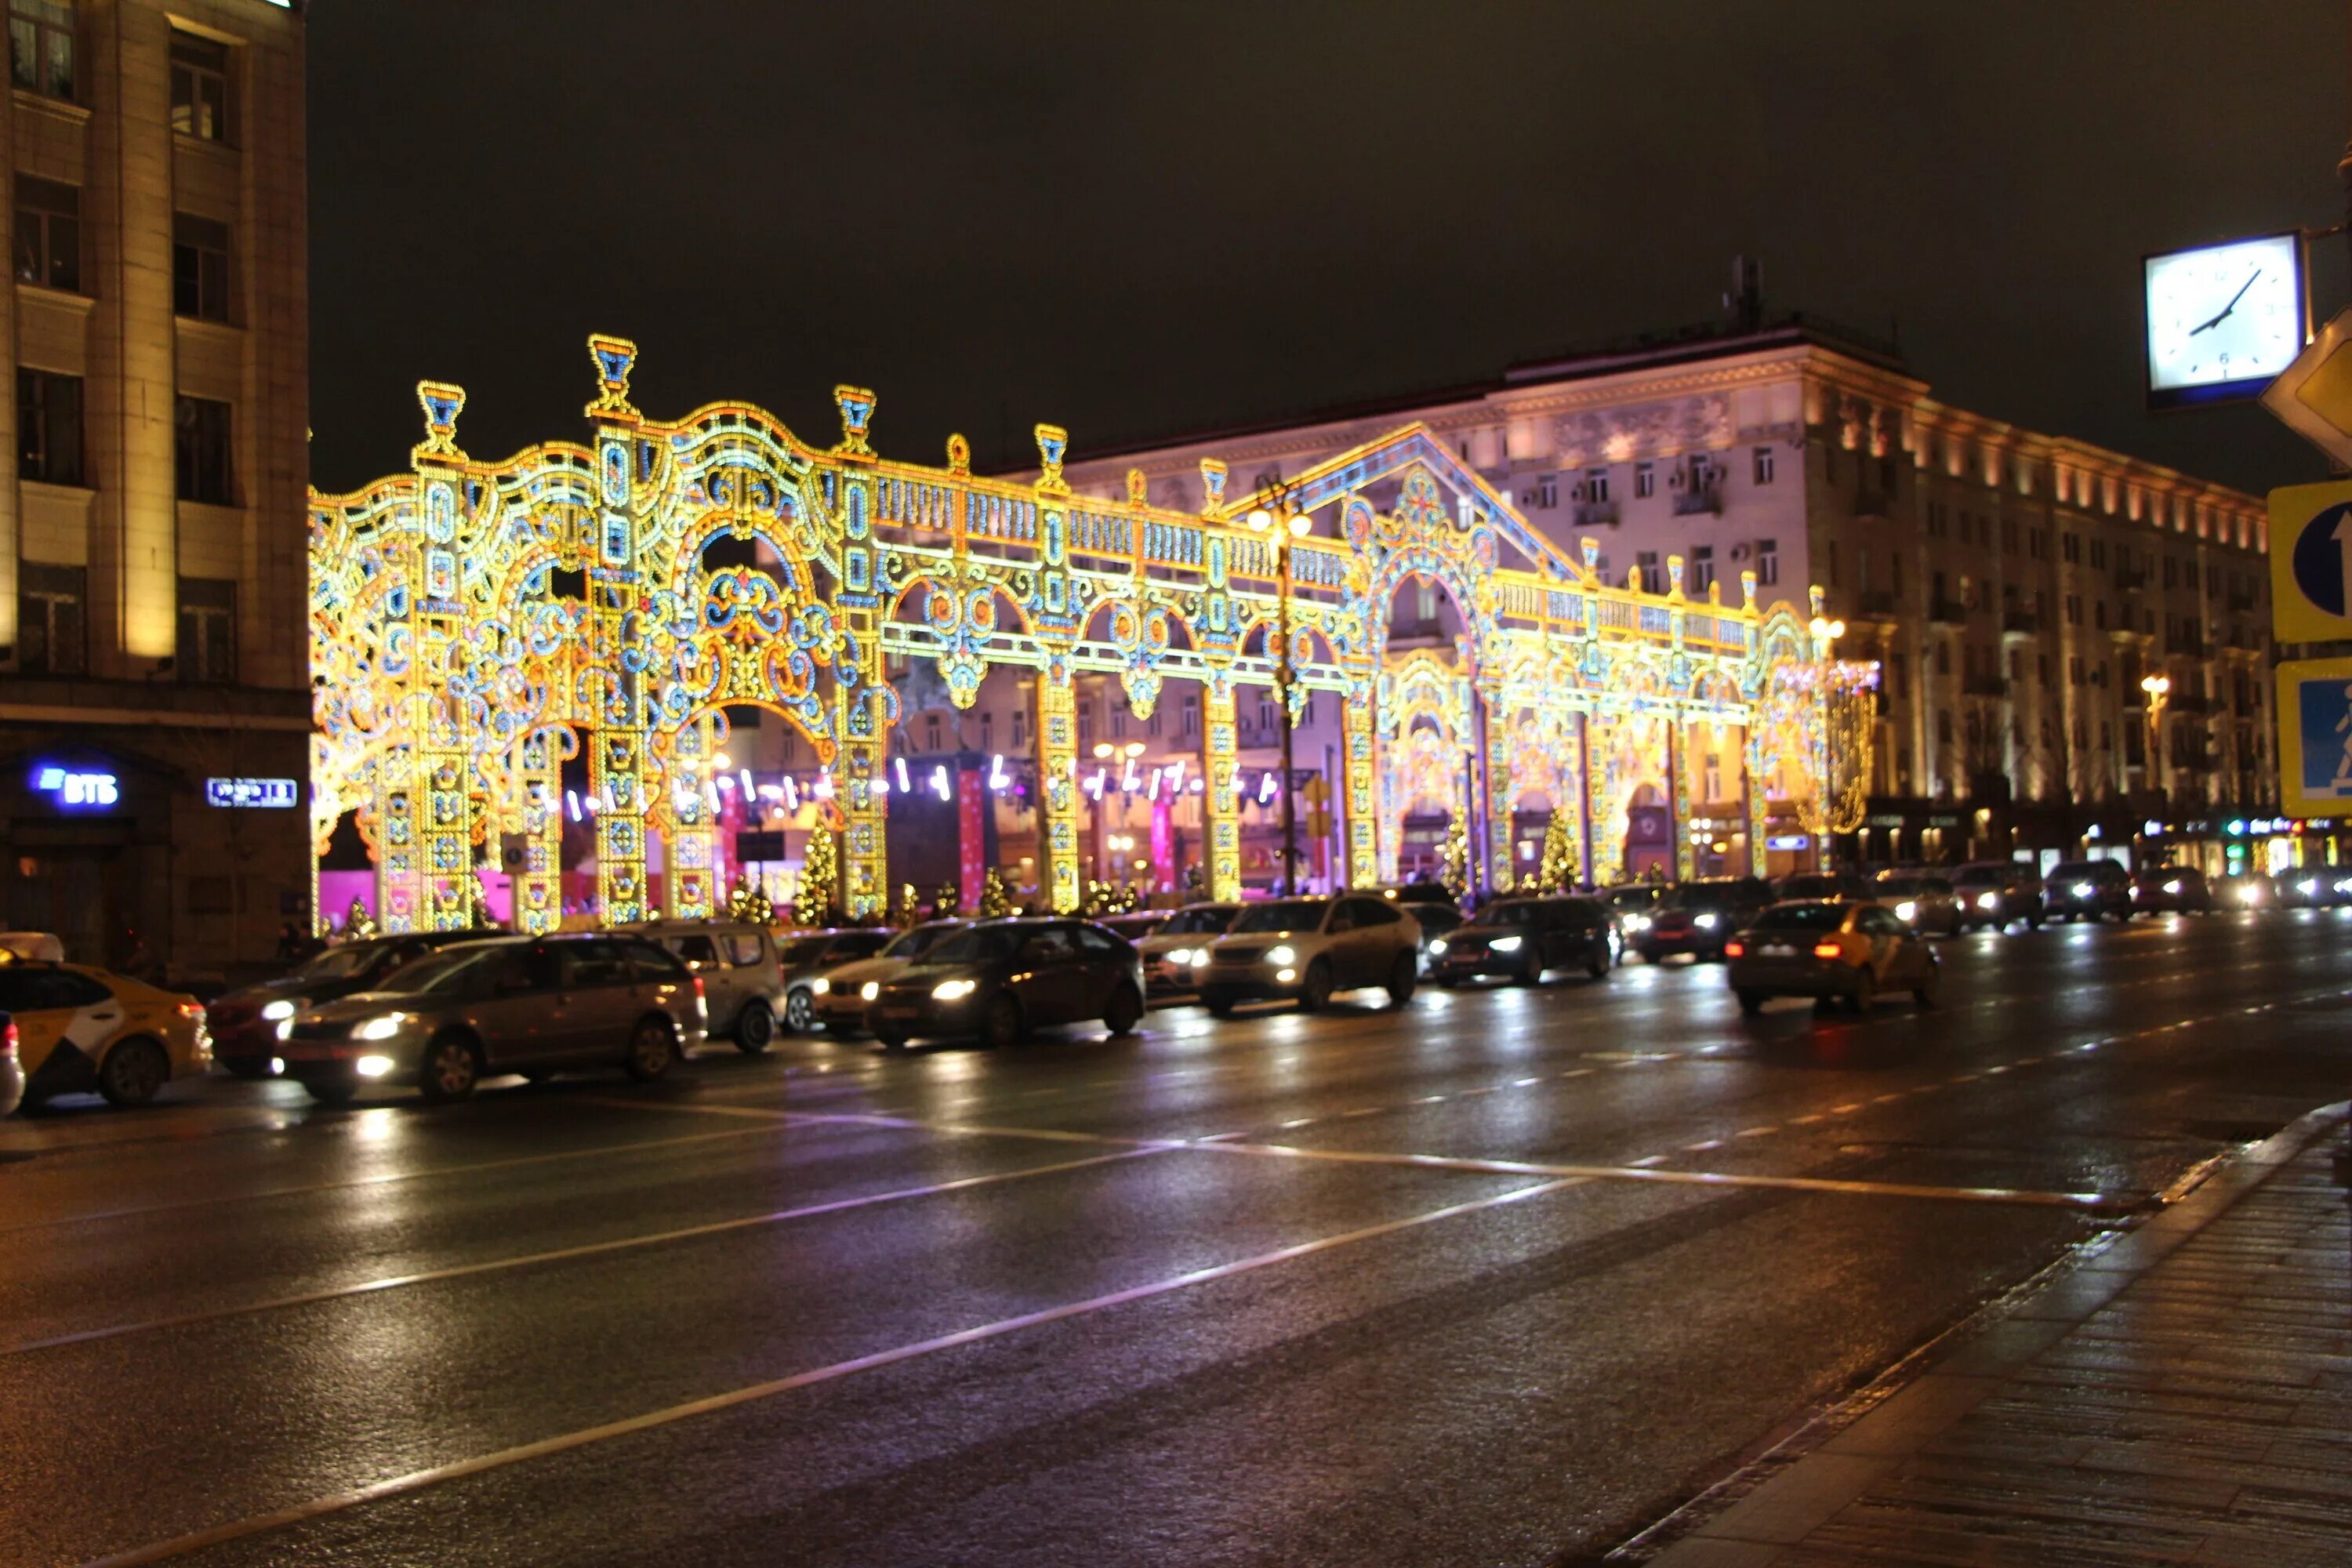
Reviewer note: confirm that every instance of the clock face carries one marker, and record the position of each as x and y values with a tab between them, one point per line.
2223	321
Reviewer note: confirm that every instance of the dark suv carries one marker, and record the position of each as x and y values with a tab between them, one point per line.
529	1005
1522	938
2088	891
1698	918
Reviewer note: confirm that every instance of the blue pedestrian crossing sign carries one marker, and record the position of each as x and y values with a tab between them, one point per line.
2311	562
2315	711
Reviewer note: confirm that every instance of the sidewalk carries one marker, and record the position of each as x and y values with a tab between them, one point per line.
2183	1396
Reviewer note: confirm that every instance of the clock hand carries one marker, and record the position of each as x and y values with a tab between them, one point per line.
2231	306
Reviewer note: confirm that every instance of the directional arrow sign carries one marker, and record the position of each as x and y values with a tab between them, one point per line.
2311	563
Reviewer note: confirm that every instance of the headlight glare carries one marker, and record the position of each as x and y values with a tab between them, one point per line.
1987	900
1706	923
1511	944
2173	885
1907	911
277	1010
1281	956
2082	889
373	1066
380	1029
870	989
1437	947
953	990
820	987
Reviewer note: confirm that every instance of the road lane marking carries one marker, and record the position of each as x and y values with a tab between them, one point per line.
567	1254
389	1178
419	1481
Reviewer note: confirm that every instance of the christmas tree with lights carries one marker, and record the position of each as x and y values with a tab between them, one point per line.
820	879
1454	859
995	897
1559	867
750	901
357	924
948	902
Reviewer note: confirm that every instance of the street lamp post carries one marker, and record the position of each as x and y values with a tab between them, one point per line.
2158	689
1279	525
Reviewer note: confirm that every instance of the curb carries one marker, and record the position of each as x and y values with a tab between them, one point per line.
1769	1505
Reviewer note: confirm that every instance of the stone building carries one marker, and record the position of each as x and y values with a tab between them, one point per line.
153	651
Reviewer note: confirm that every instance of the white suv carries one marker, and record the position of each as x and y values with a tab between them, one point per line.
1305	949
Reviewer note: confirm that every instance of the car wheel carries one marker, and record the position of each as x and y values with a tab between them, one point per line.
247	1066
1218	1006
1597	966
449	1071
1315	990
1528	972
132	1072
800	1010
1126	1010
1004	1024
1402	976
2033	922
653	1050
755	1029
1865	992
1924	993
890	1039
1445	982
1751	1001
332	1091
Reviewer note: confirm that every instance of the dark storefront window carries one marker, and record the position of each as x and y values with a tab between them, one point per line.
49	636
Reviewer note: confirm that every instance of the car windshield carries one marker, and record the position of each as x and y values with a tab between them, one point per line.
914	943
1283	914
979	944
1800	916
805	949
2080	870
339	963
1812	885
1513	912
1697	896
1900	887
1634	897
448	971
1979	876
1197	922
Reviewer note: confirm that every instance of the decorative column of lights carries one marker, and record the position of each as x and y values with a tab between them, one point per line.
2159	691
1502	784
690	820
472	622
1277	523
1840	709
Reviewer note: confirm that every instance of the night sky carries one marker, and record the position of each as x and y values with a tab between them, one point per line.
1138	219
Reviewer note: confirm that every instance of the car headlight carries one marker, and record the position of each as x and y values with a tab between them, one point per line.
1637	922
2173	885
1200	956
953	990
820	987
1180	957
2250	894
1511	944
382	1028
1706	923
1987	900
870	989
2307	887
2082	889
1437	946
373	1066
277	1010
285	1028
1907	911
1280	956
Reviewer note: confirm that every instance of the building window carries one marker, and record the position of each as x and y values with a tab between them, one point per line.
1944	726
199	87
2099	613
1763	464
1265	720
48	427
930	733
48	233
1545	494
1768	561
1648	575
1833	563
1117	719
200	452
207	629
199	268
2071	546
1645	480
49	638
1020	727
1702	573
1596	484
987	730
1191	714
41	47
1086	723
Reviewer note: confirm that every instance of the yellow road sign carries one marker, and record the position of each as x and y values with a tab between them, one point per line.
2311	562
2314	719
2312	396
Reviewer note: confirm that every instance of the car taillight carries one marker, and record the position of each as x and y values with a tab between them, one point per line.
8	1038
1734	948
1826	949
698	994
192	1009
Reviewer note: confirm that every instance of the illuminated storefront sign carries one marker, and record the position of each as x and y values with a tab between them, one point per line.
273	793
72	788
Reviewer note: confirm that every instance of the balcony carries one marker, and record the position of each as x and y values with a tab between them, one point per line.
2130	580
1873	503
2019	623
1706	499
2188	645
1594	513
1950	612
1984	685
1877	604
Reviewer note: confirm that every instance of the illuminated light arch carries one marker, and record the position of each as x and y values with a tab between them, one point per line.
471	620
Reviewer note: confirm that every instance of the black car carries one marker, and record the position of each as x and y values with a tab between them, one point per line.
1825	885
996	982
1698	918
2087	891
1522	938
244	1023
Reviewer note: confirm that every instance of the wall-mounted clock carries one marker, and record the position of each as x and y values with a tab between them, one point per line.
2223	319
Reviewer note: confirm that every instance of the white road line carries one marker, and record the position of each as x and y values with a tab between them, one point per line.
419	1481
566	1254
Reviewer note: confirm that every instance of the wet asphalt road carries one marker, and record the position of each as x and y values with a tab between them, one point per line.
1497	1279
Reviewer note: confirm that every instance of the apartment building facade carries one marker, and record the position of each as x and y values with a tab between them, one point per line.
154	710
2016	588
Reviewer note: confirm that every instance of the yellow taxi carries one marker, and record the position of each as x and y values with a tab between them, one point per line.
80	1030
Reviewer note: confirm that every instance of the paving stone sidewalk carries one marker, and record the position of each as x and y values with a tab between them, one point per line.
2183	1396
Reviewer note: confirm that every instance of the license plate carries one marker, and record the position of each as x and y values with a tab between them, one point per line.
896	1012
1776	951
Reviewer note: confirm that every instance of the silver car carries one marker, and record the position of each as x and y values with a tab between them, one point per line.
743	984
533	1005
